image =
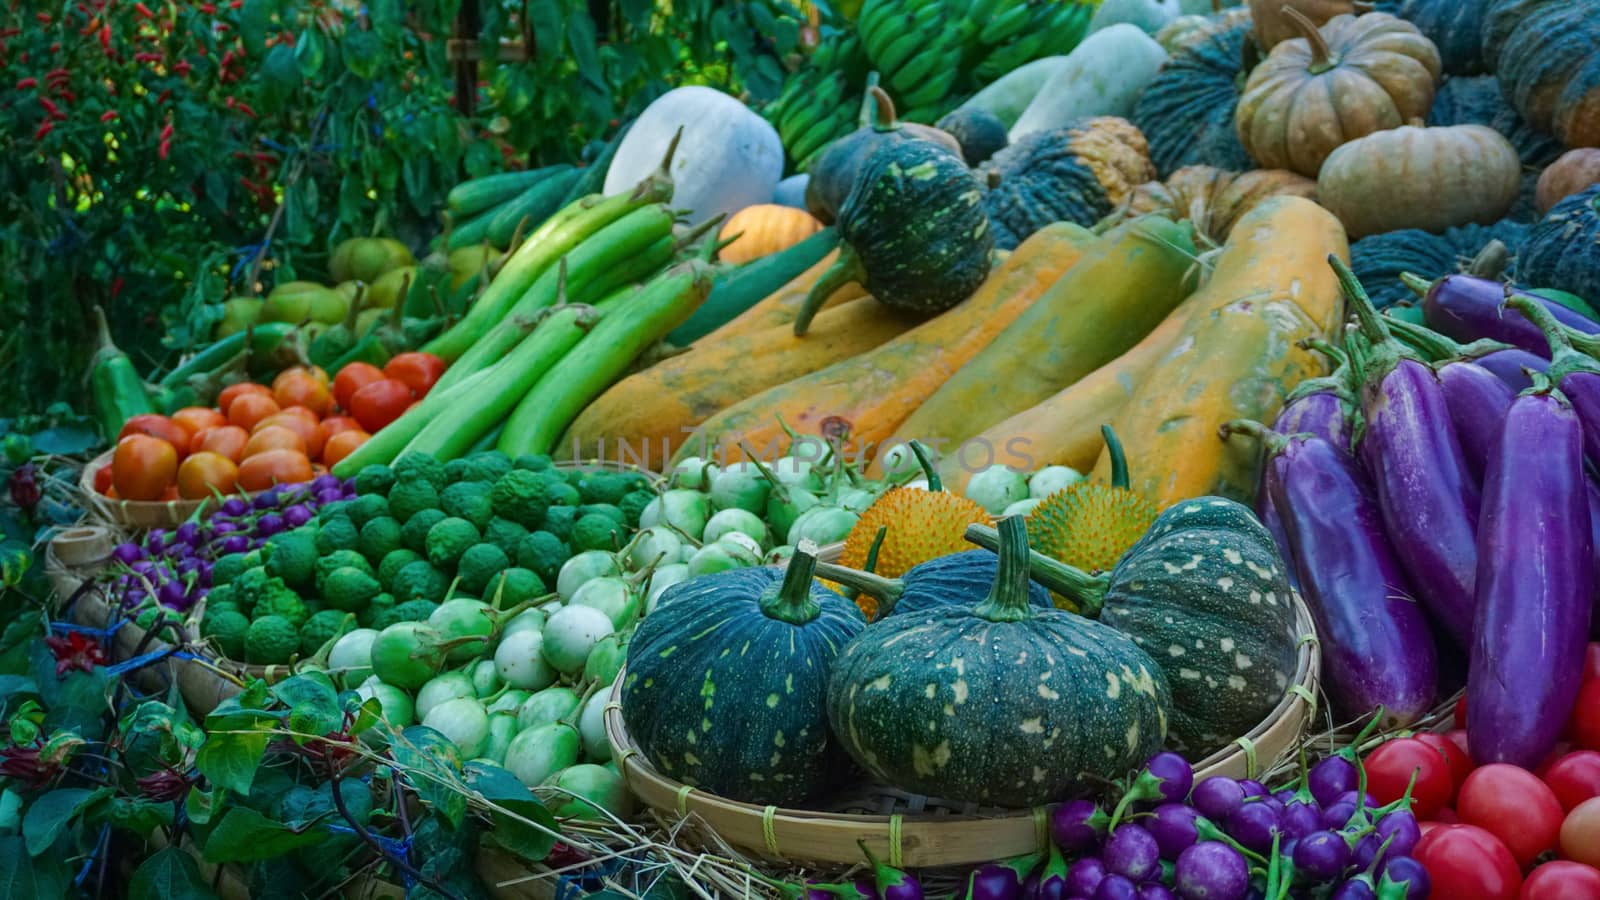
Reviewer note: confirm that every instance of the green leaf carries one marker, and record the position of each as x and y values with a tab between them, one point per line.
16	684
244	835
313	704
255	24
581	38
432	764
23	876
16	557
49	815
362	53
310	51
65	440
140	816
513	802
198	806
168	874
280	75
230	759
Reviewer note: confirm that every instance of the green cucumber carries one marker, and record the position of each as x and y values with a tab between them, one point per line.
741	287
490	191
532	207
594	174
469	230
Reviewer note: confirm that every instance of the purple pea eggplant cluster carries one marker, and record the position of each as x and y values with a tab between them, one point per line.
172	567
1434	502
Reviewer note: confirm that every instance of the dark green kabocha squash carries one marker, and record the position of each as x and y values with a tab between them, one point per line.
981	134
1379	259
1562	250
1546	54
834	172
726	682
954	579
913	232
1454	26
998	702
1075	174
1478	101
1205	593
1186	113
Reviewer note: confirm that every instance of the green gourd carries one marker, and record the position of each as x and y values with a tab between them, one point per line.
726	681
1187	112
998	702
950	580
1562	250
1454	26
1546	54
1205	593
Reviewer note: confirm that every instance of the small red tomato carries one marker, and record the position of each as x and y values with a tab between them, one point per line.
1575	778
1591	662
379	403
1561	880
1586	716
1460	763
1514	805
1446	816
1562	748
1390	769
1580	834
158	426
417	371
352	378
1458	736
1464	862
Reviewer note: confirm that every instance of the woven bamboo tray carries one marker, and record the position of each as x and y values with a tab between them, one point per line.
137	514
921	832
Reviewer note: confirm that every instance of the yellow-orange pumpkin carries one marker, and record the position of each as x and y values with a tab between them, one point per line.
764	229
1571	173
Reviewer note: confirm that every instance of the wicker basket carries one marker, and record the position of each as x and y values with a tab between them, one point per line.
921	832
137	514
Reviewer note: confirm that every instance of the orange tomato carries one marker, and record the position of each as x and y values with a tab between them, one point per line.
315	373
143	467
195	419
270	467
310	432
332	425
303	413
352	378
341	445
301	388
380	403
202	472
417	371
158	426
247	411
102	479
274	437
229	441
234	391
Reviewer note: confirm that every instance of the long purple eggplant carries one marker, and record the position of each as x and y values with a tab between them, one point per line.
1477	401
1573	368
1535	584
1510	364
1419	474
1468	308
1376	643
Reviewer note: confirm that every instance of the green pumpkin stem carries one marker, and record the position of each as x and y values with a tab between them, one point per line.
1086	591
926	462
791	600
847	269
887	591
1570	350
1008	599
883	113
1119	460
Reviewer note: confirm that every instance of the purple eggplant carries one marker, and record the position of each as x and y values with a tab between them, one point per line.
1573	369
1512	366
1419	474
892	883
1468	309
1507	363
1477	401
1375	639
1535	583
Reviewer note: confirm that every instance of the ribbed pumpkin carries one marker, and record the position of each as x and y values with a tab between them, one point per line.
1213	199
1428	178
1185	30
765	229
1477	100
1205	593
997	703
726	682
913	232
1378	260
981	134
1546	54
1274	25
1354	76
1187	111
1571	173
1454	26
1075	174
957	579
834	172
1562	250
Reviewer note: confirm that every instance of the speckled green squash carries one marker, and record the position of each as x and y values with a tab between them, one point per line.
1379	259
998	703
726	684
1187	112
957	579
1454	26
981	134
1562	250
1205	593
1478	101
1546	54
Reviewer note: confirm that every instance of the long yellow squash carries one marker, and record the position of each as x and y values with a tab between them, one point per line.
781	306
1236	356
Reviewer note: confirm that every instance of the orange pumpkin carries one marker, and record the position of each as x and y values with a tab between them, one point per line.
764	229
1273	25
1571	173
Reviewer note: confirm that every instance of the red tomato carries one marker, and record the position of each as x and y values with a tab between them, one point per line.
332	425
1514	805
352	378
195	419
1446	816
379	403
1586	716
247	410
1460	763
417	371
234	391
229	440
270	467
1562	748
342	444
1458	736
143	467
102	479
202	472
1580	834
1561	880
158	426
1591	663
1389	771
1575	778
1464	862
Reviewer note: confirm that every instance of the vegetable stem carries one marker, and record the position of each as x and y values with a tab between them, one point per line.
791	600
1008	599
1086	591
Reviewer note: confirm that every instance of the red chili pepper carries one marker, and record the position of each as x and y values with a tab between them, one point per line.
9	32
265	158
108	115
162	98
245	108
181	67
68	96
288	38
143	10
51	108
166	132
105	38
44	18
43	130
209	9
27	83
228	101
165	146
58	73
116	288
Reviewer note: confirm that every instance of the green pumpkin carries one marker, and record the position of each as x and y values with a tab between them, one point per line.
913	233
726	682
1205	593
1562	250
1379	259
1076	174
1454	26
1187	111
954	579
1546	54
834	171
981	134
998	703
